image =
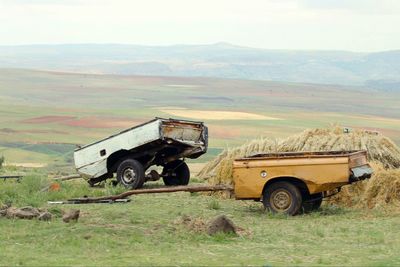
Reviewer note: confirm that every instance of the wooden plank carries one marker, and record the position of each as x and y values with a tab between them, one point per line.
11	177
68	177
195	188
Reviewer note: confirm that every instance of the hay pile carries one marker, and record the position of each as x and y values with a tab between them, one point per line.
380	149
219	170
381	190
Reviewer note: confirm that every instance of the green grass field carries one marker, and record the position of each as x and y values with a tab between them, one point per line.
147	231
63	109
43	115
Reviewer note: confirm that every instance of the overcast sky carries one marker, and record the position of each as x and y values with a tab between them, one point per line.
356	25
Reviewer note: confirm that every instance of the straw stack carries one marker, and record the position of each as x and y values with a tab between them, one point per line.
379	148
381	190
383	187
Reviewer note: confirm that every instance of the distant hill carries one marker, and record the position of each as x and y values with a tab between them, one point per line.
217	60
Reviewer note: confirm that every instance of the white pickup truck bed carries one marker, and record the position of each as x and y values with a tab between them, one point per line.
157	142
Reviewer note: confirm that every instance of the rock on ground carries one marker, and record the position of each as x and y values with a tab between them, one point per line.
22	213
221	224
3	210
45	216
71	215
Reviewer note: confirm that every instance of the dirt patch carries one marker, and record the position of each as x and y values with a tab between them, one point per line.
8	131
194	224
216	114
184	85
13	131
195	168
221	132
218	224
98	122
48	119
85	122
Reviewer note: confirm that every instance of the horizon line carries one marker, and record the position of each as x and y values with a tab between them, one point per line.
198	44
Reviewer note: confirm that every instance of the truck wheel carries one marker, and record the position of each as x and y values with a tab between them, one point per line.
176	173
282	197
130	173
313	202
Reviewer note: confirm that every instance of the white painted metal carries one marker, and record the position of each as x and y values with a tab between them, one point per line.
90	162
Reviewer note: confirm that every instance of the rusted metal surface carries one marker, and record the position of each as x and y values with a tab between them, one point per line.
180	132
308	154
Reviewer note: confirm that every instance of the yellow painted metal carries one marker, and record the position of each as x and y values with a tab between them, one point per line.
319	172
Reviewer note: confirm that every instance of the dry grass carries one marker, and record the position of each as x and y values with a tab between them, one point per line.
381	189
219	170
379	148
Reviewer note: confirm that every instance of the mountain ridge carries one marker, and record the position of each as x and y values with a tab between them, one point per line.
221	60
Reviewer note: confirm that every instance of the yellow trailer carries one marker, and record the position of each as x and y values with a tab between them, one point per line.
297	181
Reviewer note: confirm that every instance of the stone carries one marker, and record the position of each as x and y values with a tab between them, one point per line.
71	215
221	224
3	213
45	216
22	213
3	210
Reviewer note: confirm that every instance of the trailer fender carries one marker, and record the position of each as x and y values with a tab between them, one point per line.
294	180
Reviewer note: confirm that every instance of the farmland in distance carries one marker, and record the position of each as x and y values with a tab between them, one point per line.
45	114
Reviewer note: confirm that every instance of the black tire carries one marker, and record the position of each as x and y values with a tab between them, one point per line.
312	202
130	173
176	173
282	197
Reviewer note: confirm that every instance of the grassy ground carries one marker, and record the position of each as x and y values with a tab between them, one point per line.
147	231
95	106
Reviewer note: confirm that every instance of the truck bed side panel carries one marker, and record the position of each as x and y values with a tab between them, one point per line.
319	174
92	161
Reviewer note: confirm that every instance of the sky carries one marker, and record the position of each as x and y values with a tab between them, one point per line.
354	25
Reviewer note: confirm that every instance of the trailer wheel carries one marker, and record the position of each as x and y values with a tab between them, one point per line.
130	173
282	197
313	202
176	173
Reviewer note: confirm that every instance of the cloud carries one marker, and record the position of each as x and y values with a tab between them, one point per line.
45	2
364	6
360	25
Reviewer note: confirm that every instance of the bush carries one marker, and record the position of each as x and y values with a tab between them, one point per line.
1	161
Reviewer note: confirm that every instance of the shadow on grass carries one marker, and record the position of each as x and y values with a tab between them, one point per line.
327	210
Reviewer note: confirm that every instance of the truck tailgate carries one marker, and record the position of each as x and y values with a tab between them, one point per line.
359	166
